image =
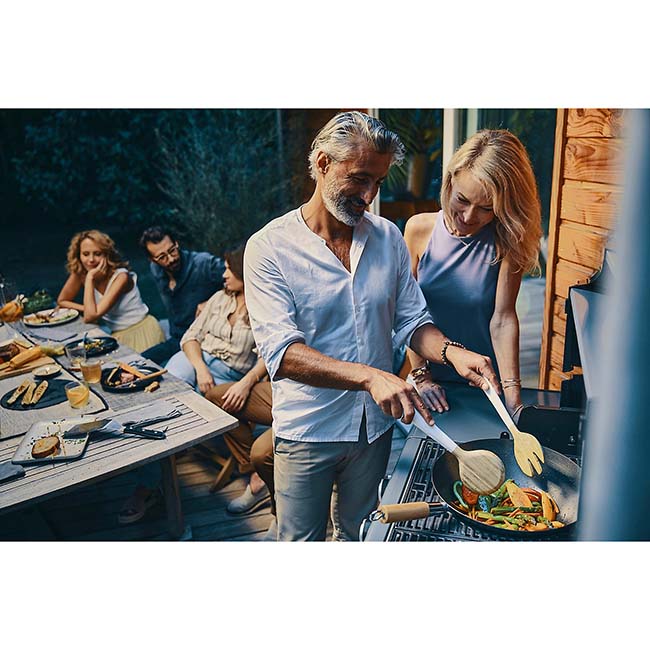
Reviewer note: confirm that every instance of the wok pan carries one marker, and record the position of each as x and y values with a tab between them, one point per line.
560	478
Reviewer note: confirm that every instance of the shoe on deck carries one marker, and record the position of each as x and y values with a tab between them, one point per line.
248	501
136	506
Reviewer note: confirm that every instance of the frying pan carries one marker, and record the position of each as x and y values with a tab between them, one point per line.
560	478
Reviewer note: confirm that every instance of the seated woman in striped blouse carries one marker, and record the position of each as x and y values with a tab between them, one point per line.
219	347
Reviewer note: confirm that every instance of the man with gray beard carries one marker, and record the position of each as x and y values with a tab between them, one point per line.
329	293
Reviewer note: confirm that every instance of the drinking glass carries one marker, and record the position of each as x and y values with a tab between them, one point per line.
76	354
77	393
91	369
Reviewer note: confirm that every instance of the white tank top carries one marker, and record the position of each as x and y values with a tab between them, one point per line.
129	308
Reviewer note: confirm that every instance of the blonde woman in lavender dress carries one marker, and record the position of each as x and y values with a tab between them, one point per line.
469	258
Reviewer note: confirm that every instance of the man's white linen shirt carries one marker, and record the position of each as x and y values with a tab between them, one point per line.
297	290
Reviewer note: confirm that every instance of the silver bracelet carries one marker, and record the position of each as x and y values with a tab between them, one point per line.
507	383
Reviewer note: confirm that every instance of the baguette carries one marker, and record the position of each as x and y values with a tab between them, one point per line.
29	393
39	392
19	391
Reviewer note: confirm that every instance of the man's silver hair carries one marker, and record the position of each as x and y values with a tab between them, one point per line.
346	133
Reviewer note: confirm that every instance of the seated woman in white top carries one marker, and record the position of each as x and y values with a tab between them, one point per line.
110	291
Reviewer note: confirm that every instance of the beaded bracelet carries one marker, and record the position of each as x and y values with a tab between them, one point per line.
443	352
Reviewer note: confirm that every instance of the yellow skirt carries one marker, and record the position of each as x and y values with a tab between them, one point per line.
142	335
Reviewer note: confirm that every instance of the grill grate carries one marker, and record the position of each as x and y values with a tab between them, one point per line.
442	525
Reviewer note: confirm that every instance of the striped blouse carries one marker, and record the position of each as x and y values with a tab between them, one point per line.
234	345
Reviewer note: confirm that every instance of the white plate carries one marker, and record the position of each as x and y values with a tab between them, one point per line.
64	315
47	371
70	449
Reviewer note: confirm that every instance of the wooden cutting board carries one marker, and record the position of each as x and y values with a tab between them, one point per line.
28	367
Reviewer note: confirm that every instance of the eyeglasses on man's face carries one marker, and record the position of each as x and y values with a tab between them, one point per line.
171	252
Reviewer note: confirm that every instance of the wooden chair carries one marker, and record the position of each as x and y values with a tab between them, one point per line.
225	465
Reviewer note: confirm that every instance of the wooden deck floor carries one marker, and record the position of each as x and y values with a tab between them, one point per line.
90	514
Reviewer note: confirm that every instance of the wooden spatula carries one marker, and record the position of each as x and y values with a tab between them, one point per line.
528	452
480	470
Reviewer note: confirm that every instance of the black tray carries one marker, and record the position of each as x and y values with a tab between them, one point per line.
97	345
55	394
137	384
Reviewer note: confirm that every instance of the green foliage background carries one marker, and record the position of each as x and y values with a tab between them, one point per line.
217	175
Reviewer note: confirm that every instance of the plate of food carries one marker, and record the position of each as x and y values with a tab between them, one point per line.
96	345
34	394
50	317
125	379
50	370
45	442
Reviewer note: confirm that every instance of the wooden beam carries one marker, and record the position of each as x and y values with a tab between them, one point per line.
553	228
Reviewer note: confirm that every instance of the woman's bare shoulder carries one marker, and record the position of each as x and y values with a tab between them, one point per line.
420	225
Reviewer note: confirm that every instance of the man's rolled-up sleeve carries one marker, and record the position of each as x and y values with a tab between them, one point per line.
411	309
270	305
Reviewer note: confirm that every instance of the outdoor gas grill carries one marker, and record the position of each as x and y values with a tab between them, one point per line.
557	420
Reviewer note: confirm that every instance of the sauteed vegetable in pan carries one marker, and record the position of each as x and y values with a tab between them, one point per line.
510	507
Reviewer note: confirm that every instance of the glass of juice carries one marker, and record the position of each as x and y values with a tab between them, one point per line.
91	369
77	394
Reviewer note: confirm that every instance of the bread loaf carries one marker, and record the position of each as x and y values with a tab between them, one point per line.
48	446
26	356
8	352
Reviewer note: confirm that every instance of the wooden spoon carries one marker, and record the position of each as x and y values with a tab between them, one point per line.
481	471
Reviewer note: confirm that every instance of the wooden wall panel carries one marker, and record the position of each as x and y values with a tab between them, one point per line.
555	379
593	159
581	244
593	204
557	351
585	199
559	307
568	274
559	326
594	123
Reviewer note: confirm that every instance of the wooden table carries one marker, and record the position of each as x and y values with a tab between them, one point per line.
107	456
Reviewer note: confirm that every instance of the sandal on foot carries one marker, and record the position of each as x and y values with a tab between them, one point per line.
135	507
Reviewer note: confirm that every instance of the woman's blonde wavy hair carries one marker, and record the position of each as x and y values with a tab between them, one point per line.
113	258
499	162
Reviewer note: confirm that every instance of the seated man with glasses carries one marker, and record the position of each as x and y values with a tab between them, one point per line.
185	279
